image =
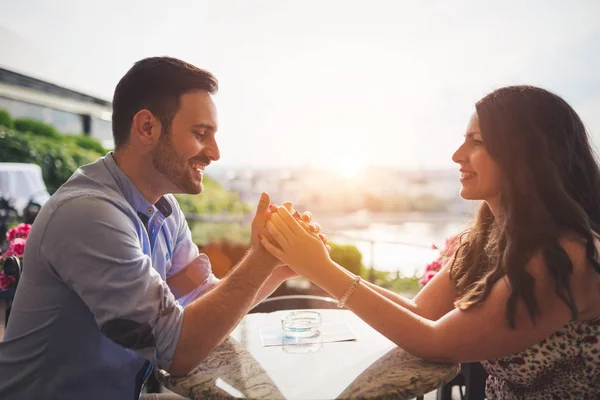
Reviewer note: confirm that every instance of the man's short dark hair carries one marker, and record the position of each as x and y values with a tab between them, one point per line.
155	84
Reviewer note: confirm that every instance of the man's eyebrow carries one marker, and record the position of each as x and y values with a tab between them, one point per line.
205	126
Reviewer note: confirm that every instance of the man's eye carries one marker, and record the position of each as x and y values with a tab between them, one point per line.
198	133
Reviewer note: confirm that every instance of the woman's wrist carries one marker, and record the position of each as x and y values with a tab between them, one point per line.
334	279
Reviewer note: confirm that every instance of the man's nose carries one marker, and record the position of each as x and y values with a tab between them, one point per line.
212	151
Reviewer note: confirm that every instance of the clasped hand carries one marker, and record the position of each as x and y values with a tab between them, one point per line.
295	241
260	232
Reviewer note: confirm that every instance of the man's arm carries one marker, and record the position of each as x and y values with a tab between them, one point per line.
185	282
210	318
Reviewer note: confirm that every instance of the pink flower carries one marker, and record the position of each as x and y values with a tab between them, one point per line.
427	277
20	231
434	266
7	281
16	248
448	251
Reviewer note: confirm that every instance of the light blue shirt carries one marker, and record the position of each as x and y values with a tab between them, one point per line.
92	306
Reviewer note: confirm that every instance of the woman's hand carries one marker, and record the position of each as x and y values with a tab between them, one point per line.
305	220
294	244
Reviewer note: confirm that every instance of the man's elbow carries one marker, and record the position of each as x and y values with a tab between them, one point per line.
185	361
182	366
179	369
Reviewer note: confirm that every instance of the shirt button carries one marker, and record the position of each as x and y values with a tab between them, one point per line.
150	210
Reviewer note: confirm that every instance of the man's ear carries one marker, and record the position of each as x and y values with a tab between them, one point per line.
145	128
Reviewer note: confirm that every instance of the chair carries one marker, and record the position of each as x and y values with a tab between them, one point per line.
472	376
293	302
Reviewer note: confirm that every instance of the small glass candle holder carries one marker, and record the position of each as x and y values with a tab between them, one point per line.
301	324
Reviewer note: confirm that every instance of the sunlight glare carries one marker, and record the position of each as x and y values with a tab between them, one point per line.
347	166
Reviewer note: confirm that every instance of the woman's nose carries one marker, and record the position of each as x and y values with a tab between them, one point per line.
460	155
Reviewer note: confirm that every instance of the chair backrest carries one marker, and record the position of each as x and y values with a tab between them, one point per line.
294	302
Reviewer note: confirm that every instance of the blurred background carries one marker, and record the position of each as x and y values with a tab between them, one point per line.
350	109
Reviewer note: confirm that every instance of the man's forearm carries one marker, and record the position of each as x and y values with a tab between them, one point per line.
211	317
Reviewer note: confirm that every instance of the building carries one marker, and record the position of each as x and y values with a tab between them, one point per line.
69	111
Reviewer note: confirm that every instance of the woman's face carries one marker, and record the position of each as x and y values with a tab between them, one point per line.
480	175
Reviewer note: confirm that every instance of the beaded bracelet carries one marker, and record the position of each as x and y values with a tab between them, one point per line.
349	292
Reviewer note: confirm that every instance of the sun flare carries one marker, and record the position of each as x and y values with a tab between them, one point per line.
347	166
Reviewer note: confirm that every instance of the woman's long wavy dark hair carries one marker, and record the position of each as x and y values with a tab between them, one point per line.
550	186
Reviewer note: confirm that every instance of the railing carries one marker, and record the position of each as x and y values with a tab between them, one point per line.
372	244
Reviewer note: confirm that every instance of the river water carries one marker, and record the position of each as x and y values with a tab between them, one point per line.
404	247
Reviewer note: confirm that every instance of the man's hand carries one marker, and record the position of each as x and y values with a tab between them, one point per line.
257	229
259	221
264	211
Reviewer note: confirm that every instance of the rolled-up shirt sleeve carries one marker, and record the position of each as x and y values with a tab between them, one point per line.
184	253
100	258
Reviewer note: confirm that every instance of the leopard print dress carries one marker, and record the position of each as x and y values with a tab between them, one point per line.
565	365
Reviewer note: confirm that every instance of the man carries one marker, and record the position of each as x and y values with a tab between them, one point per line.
111	251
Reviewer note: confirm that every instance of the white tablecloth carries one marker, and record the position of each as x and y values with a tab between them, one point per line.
21	183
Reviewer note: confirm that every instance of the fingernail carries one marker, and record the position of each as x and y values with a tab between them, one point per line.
297	214
273	208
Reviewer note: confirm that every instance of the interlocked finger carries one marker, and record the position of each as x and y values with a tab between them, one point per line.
289	206
316	228
323	238
307	228
292	223
279	237
283	227
307	216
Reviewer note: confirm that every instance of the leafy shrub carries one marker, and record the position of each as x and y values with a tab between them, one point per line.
87	142
213	200
5	119
37	128
348	256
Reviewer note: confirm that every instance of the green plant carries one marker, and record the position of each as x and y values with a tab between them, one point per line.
348	256
213	200
204	233
37	128
406	286
6	119
87	142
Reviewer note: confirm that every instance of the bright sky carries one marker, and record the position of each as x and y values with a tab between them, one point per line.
324	82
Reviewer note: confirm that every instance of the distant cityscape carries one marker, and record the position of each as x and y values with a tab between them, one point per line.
372	188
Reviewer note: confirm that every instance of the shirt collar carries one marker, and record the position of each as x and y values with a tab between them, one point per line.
133	195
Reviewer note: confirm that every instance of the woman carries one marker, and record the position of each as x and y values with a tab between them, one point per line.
522	292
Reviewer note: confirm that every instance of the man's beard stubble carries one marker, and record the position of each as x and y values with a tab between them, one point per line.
167	162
